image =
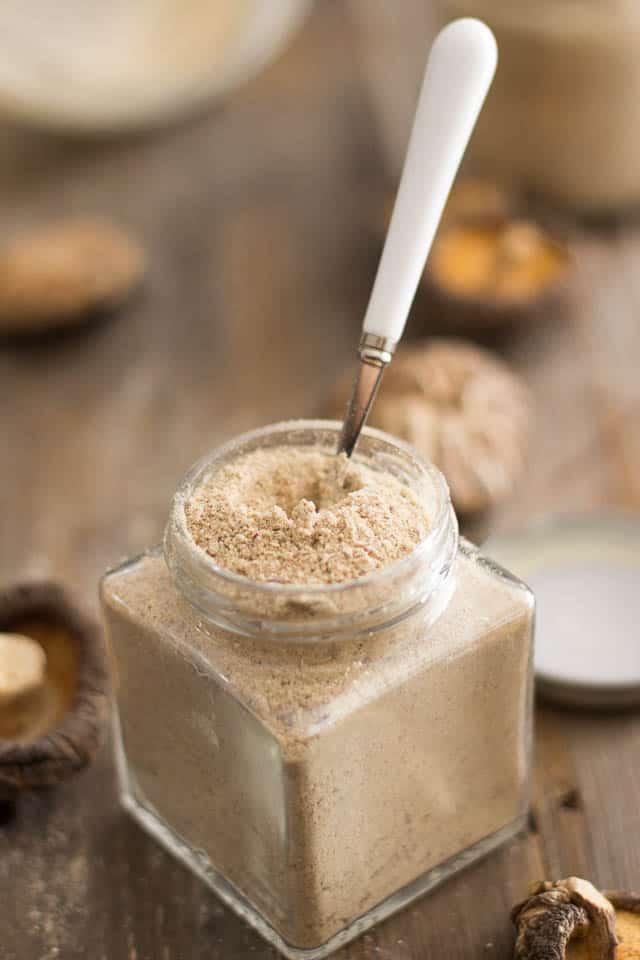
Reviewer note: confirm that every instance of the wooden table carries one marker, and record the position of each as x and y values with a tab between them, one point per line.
260	221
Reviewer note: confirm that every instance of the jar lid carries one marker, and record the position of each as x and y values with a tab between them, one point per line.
585	574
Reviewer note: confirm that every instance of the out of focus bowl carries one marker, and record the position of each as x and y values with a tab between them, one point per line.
94	67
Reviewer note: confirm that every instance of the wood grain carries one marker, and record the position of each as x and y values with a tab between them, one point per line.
257	217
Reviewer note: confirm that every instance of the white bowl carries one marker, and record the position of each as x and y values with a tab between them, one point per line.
96	66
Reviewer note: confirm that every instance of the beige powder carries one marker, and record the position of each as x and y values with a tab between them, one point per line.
304	516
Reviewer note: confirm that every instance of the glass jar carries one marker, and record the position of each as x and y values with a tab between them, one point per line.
321	755
561	116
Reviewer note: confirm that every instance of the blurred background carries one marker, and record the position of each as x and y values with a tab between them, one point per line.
243	156
252	151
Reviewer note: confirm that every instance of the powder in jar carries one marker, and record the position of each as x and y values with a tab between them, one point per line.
304	516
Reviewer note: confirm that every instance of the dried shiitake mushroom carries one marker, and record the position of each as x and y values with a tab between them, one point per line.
554	914
572	920
462	408
59	274
484	274
54	686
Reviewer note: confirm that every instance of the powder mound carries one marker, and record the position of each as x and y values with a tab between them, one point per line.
304	516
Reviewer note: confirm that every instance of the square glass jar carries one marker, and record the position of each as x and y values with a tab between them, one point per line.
322	755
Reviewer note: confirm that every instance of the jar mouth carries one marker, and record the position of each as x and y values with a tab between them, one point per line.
178	540
328	611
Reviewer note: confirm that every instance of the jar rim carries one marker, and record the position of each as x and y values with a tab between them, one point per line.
178	540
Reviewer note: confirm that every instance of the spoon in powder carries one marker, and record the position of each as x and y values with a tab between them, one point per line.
459	72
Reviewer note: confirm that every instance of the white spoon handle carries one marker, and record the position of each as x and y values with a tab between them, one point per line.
459	72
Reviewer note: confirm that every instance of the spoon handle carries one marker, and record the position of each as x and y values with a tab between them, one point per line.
459	72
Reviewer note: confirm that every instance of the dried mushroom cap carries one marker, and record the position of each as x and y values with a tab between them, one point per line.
61	273
565	920
49	737
484	274
463	409
511	261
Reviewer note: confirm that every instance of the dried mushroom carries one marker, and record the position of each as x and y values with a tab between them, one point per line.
463	409
488	273
60	274
54	686
572	920
566	912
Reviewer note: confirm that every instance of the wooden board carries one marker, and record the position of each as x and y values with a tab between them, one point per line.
258	218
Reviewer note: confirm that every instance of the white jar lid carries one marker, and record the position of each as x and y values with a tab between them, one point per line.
585	574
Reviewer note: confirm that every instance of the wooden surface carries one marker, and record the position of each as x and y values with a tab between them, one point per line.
258	219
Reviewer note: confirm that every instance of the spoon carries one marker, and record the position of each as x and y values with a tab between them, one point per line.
459	72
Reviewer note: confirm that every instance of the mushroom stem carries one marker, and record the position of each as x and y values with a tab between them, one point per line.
22	675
